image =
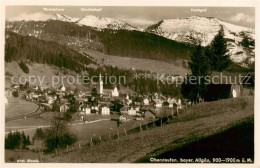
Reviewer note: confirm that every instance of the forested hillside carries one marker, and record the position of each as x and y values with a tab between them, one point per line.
143	45
18	48
126	43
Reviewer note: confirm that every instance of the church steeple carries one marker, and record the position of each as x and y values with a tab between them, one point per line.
100	85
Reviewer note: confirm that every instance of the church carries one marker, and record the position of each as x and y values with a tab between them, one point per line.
106	92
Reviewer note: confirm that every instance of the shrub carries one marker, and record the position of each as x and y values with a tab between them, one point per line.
24	67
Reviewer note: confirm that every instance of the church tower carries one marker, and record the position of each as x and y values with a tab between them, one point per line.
100	85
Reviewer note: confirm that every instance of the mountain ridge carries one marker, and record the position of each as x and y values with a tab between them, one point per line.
189	30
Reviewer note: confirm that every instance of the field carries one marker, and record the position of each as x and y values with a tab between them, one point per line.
176	68
195	123
103	128
19	107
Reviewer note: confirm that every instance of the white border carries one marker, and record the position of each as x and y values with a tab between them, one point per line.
188	3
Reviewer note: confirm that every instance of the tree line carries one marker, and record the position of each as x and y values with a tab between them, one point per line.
20	48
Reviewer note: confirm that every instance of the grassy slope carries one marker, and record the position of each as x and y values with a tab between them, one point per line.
40	71
140	64
196	123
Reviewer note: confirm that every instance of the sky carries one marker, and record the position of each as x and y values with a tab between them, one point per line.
136	16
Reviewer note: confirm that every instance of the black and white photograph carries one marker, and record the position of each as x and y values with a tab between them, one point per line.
129	84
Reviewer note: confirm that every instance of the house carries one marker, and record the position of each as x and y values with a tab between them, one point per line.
127	97
137	108
226	85
171	102
35	96
124	110
64	108
131	111
105	111
158	102
62	88
128	101
122	118
156	95
94	108
146	101
139	118
87	110
223	91
179	104
115	92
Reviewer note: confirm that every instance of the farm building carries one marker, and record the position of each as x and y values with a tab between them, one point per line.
228	85
223	91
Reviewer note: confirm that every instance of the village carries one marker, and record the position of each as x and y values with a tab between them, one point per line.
99	102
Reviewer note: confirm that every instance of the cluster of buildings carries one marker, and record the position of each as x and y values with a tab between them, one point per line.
133	106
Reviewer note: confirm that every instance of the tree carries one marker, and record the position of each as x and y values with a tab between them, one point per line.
58	136
16	140
219	58
247	41
117	105
24	67
16	93
194	85
199	63
94	92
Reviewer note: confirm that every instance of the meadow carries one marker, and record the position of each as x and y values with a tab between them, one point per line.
197	122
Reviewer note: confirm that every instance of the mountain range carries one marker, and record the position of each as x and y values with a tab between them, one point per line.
111	36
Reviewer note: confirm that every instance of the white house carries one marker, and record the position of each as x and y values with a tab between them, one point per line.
64	108
129	101
158	102
94	108
156	95
171	102
131	111
179	104
63	89
115	92
50	100
137	108
87	110
105	111
146	101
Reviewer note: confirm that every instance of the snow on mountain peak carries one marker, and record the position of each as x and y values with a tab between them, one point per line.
103	23
63	18
199	29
